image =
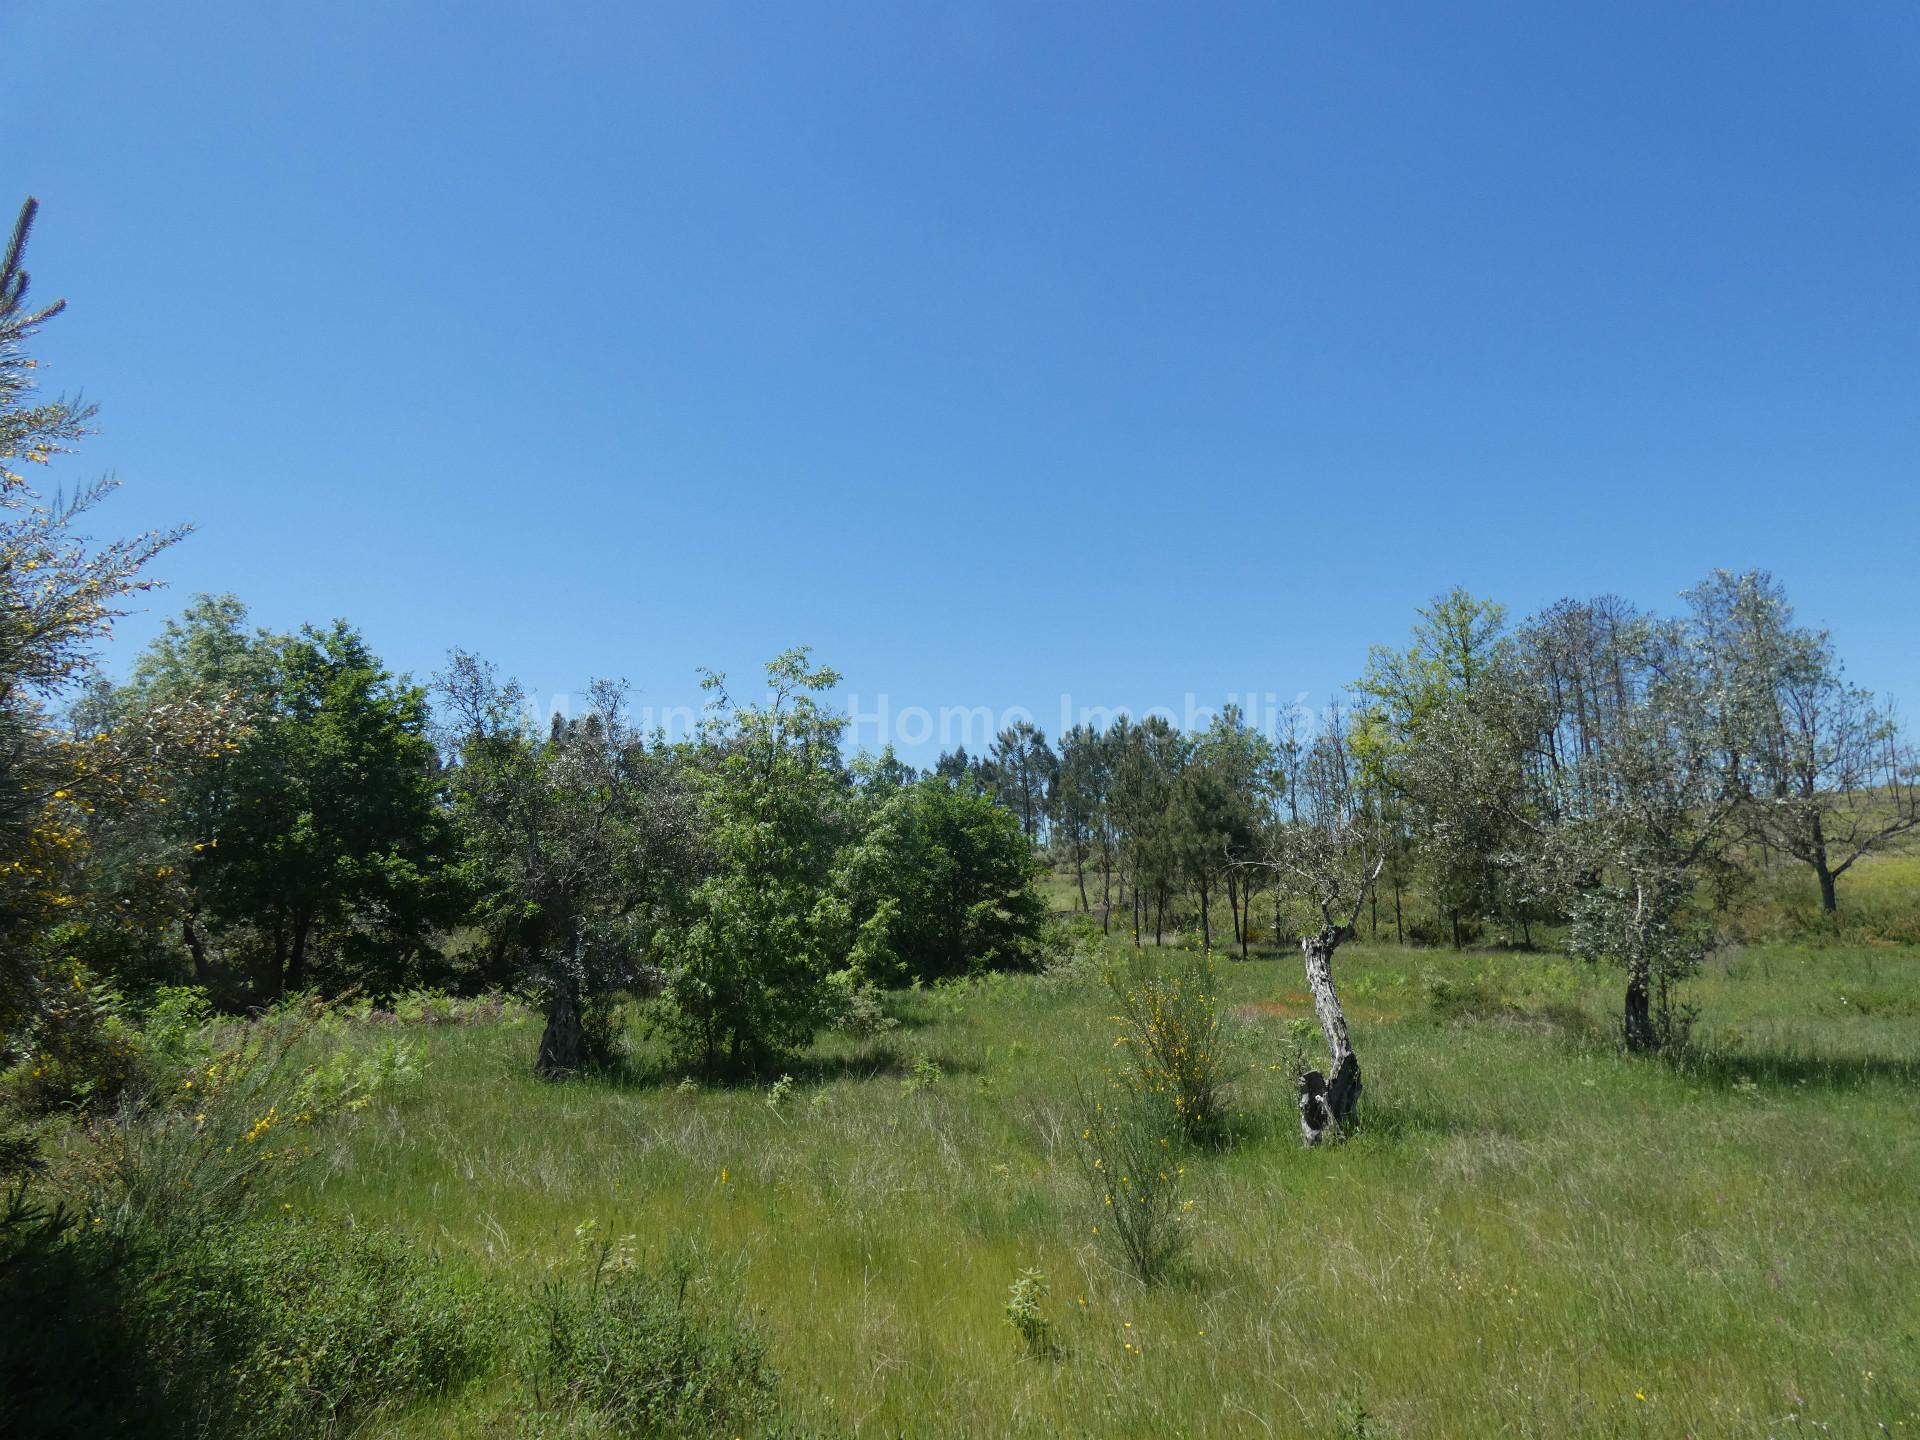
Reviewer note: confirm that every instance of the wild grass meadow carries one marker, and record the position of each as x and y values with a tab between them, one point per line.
1533	1234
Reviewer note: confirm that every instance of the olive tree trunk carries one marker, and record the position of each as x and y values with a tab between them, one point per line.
563	1044
1328	1104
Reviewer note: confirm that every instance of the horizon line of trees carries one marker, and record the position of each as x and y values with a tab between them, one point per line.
258	812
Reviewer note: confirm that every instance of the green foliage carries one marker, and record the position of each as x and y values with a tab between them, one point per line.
647	1354
263	1328
79	1049
926	1073
297	834
750	949
343	1322
1026	1314
942	883
857	1007
576	849
196	1147
1176	1050
1130	1153
1023	770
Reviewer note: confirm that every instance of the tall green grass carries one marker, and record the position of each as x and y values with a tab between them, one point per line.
1531	1235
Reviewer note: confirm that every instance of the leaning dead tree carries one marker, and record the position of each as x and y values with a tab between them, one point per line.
1327	862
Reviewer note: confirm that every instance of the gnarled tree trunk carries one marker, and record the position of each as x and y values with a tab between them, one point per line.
1328	1104
563	1045
1639	1019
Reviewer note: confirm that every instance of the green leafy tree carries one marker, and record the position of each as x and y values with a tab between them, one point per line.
941	883
751	948
307	822
336	824
1459	641
1633	788
153	865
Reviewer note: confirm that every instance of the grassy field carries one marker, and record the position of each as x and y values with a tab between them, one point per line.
1532	1236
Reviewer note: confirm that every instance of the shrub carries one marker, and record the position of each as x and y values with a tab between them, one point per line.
194	1148
856	1006
1169	1017
925	1074
645	1355
941	884
164	1306
342	1322
81	1051
1129	1155
1472	998
1023	1312
262	1328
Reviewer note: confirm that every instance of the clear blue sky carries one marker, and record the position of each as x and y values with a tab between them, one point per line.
995	350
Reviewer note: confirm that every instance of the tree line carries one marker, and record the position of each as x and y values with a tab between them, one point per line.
259	813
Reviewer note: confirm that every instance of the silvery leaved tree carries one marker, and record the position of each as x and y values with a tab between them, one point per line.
574	844
1828	777
1633	788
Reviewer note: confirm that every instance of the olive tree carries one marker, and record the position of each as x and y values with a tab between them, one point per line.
573	844
1827	779
1633	788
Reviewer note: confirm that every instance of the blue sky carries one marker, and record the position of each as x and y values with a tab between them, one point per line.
997	351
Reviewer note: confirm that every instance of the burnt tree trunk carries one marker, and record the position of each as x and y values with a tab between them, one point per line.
1328	1104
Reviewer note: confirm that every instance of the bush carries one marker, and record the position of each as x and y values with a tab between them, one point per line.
264	1328
941	884
857	1008
347	1321
1023	1312
1128	1152
645	1355
1169	1017
82	1049
193	1149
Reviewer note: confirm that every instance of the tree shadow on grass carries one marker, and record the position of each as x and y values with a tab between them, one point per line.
1733	1068
877	1059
